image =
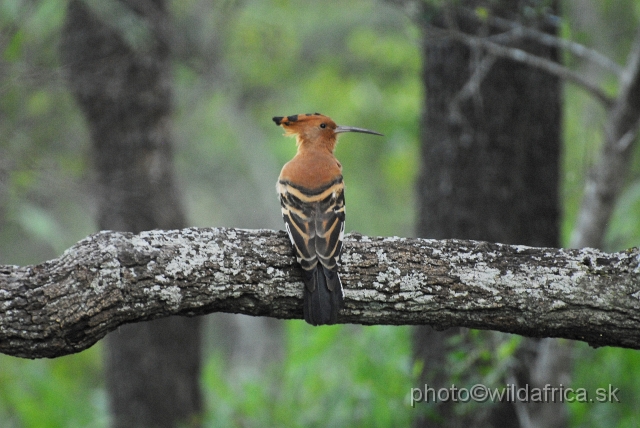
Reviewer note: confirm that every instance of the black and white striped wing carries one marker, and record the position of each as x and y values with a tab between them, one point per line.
329	228
314	222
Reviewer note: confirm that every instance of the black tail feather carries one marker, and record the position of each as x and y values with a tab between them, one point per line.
322	296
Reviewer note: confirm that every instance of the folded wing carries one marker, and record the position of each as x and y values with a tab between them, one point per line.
314	220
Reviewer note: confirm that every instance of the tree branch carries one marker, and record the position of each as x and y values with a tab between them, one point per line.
67	304
471	88
519	30
524	57
606	178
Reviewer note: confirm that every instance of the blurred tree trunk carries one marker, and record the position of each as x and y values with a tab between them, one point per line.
489	171
117	59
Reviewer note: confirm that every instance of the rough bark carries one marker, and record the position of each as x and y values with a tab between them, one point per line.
118	65
490	168
489	161
113	278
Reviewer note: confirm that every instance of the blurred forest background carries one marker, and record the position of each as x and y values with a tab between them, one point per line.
236	64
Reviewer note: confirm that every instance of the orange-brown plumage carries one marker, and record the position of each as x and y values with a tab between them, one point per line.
312	199
311	167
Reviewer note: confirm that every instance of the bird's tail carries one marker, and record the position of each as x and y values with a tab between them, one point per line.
323	296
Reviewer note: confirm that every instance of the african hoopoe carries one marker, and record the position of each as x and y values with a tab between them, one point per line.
312	198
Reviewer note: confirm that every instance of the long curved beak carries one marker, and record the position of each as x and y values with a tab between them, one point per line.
340	129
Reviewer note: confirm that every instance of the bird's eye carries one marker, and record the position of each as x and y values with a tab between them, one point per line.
323	125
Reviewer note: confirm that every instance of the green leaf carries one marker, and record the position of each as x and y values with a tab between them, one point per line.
482	12
14	48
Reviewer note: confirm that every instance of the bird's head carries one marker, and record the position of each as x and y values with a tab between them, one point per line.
315	129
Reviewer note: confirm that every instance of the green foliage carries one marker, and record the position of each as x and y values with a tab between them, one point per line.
320	381
42	156
583	127
358	64
598	369
65	392
625	223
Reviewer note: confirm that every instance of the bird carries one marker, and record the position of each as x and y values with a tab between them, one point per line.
311	192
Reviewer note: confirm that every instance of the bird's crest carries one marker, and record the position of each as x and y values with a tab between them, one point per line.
288	120
304	124
315	127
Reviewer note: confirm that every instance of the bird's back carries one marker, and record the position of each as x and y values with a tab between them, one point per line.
312	200
312	169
